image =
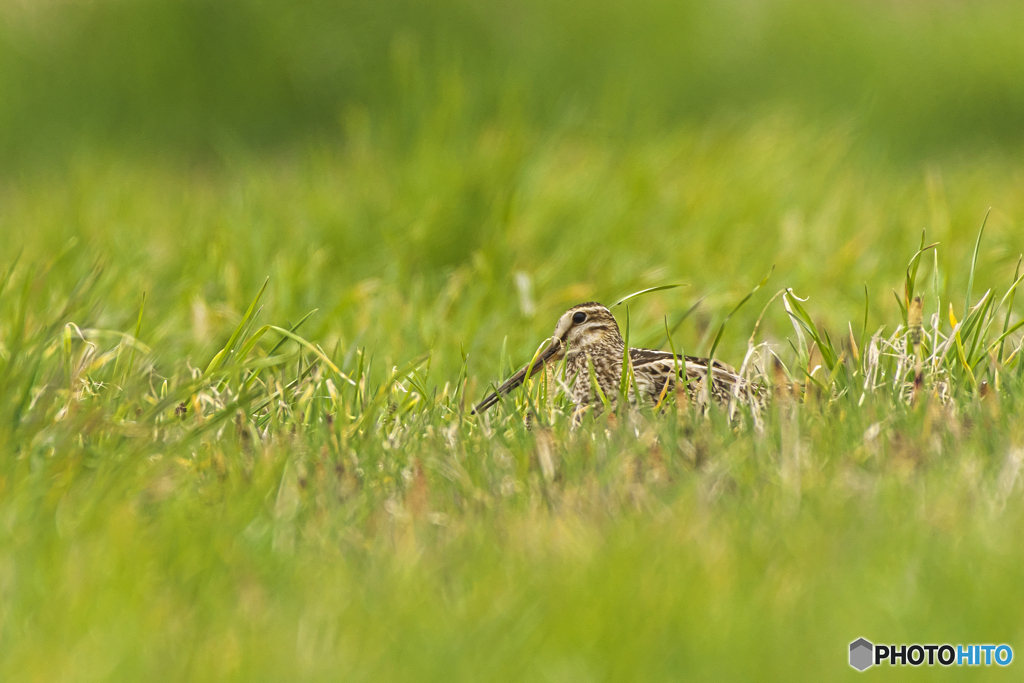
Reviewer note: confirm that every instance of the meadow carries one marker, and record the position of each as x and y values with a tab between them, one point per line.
260	259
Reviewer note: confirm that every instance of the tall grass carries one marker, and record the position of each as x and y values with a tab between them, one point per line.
206	478
259	260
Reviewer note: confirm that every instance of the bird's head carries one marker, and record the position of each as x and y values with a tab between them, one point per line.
581	327
586	325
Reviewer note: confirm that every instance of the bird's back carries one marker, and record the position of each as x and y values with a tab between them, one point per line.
653	369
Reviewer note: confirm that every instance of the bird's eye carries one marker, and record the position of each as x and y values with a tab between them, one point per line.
579	317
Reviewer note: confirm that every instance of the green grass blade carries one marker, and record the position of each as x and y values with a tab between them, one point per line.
595	386
315	350
935	282
912	267
624	372
721	330
10	271
903	309
138	330
222	355
974	264
246	349
656	342
647	291
1009	308
864	328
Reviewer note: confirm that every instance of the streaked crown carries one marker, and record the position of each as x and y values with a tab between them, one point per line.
587	324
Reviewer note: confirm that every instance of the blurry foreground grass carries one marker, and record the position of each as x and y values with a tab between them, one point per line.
197	492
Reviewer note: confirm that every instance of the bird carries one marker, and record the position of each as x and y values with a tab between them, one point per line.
587	335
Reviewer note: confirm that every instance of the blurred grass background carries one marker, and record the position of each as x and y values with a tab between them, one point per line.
448	177
409	147
198	76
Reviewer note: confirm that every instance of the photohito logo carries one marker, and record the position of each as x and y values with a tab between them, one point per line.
864	654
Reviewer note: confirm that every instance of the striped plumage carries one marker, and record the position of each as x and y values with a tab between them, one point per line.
588	334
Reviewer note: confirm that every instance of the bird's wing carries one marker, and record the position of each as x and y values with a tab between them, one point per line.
654	368
695	367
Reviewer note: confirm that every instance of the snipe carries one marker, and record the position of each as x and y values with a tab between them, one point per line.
588	335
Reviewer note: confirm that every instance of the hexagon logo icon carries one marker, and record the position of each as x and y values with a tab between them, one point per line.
861	652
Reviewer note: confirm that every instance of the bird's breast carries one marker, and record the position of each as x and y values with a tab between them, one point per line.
607	370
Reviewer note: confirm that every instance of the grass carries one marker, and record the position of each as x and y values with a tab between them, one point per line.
241	332
191	490
194	78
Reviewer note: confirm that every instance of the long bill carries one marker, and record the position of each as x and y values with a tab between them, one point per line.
535	366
